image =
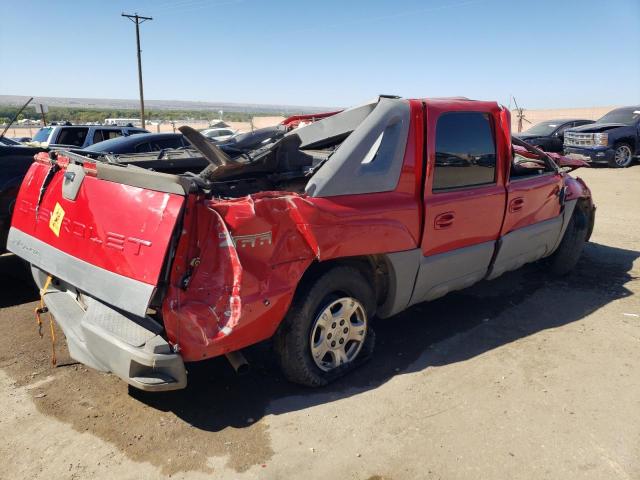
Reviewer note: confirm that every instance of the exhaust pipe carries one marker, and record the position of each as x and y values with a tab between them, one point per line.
238	362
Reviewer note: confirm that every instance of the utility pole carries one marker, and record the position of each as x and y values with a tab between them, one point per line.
137	19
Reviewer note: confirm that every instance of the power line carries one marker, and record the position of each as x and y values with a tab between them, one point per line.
137	19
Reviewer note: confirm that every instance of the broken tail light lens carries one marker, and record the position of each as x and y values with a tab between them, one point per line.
90	169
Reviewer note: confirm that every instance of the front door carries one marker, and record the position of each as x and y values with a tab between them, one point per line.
533	220
464	199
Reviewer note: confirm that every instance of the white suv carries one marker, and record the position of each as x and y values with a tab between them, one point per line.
80	136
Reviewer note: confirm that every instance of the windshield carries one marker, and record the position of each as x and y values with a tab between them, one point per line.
42	135
628	116
544	128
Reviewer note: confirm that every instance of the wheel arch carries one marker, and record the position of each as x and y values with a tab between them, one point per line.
374	268
391	276
588	209
631	141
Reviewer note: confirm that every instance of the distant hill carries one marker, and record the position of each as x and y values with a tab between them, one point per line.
110	103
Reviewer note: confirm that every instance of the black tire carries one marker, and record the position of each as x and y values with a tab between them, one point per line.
620	149
292	341
566	256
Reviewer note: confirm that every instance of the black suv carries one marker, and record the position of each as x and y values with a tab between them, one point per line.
614	139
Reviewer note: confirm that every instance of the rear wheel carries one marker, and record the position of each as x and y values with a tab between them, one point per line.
327	331
623	156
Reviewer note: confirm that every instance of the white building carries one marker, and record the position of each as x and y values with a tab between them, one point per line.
122	122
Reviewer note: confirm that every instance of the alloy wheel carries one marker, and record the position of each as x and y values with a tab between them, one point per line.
623	155
338	333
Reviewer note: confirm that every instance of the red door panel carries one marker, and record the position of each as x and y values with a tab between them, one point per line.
462	218
532	200
471	215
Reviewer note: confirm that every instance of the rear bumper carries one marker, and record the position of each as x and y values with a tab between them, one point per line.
591	155
122	292
109	341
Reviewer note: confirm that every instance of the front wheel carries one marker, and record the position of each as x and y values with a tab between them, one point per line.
623	156
566	256
327	331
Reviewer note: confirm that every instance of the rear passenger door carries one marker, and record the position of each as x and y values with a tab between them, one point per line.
464	199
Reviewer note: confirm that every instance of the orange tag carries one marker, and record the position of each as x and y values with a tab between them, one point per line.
56	219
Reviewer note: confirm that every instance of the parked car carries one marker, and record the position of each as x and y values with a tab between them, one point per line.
219	134
22	139
549	135
8	141
15	161
304	240
614	139
79	136
140	143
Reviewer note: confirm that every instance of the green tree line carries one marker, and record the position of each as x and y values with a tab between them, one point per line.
82	115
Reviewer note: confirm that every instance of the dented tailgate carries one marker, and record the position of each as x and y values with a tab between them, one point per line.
106	238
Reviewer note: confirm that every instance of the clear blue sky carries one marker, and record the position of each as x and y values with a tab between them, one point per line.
548	53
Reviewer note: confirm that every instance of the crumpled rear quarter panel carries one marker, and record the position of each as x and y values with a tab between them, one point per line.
253	252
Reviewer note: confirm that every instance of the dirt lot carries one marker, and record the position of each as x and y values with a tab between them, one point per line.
523	377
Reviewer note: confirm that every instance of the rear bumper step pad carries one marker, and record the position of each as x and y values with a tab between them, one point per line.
107	340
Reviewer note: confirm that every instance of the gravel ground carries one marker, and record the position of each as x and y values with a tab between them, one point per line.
523	377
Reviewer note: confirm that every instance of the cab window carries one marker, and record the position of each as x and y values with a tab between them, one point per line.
72	136
465	151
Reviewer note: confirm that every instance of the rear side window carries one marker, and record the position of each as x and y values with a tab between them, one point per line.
143	147
102	134
465	151
72	136
97	136
109	134
175	142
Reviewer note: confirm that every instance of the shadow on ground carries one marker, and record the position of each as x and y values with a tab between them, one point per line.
16	284
217	398
218	414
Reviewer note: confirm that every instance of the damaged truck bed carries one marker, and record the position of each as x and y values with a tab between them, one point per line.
304	235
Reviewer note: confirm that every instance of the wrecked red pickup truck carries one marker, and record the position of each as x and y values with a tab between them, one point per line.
304	238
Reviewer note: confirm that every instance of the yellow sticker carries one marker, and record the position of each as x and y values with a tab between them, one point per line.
56	219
